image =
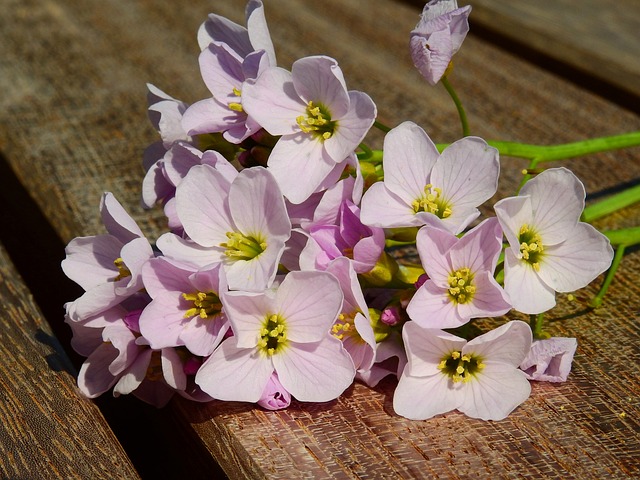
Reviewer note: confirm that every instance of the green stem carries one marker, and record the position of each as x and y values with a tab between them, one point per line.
548	153
366	152
381	126
454	96
617	258
535	322
623	237
611	204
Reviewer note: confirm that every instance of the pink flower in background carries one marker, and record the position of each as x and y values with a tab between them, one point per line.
480	378
348	238
242	224
186	308
461	284
241	40
224	72
321	123
165	113
438	36
424	187
550	250
286	332
107	266
549	360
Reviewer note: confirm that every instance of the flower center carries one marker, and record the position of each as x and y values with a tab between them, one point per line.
317	122
123	271
273	335
432	202
236	106
243	247
460	368
461	288
345	326
530	246
205	304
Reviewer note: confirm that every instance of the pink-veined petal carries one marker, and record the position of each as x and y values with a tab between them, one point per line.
577	261
508	344
526	290
494	393
382	208
315	372
309	302
319	79
235	374
419	398
432	307
426	348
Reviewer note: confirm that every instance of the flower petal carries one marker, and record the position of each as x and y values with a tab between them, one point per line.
315	372
419	398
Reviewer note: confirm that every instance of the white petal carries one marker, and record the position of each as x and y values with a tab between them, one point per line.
494	393
527	291
315	372
426	348
409	156
319	79
508	344
234	374
382	208
419	398
577	261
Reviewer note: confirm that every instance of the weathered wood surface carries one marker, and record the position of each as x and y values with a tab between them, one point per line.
73	124
47	429
596	37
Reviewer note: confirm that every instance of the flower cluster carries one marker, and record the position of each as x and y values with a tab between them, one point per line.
274	280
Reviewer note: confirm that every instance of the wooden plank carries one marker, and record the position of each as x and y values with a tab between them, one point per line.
47	430
598	38
72	124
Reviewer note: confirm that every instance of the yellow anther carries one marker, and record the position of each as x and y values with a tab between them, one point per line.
123	271
431	201
317	121
461	288
272	335
205	304
455	355
236	107
236	92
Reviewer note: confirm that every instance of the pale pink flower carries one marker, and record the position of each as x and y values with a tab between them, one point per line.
550	249
186	308
119	358
287	332
348	238
423	187
461	284
274	396
107	266
242	40
480	378
242	224
549	360
438	36
353	325
320	122
165	113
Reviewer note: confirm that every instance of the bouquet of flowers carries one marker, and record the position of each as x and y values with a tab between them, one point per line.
282	274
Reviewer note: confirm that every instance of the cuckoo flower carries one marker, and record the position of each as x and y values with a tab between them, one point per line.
165	113
107	266
286	332
243	41
550	249
223	71
186	307
461	284
438	36
118	357
321	123
274	396
242	224
549	360
479	378
422	186
348	238
353	325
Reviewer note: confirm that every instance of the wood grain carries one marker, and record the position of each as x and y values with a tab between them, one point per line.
73	124
47	429
599	38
